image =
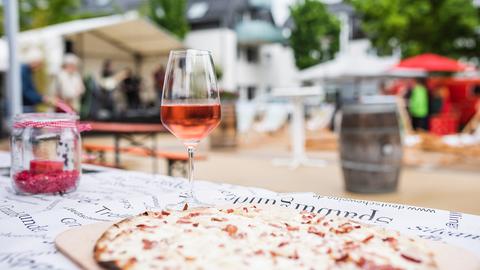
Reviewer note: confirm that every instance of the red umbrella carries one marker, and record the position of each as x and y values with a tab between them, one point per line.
432	62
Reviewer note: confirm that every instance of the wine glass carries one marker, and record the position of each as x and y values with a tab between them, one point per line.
190	107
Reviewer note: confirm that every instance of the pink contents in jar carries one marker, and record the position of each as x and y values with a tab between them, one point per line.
46	176
45	166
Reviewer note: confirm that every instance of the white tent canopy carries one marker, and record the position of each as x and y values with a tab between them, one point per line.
119	38
354	62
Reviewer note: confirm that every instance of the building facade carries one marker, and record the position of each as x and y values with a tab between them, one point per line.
247	46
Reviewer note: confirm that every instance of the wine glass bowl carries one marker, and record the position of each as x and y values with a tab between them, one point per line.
190	107
190	122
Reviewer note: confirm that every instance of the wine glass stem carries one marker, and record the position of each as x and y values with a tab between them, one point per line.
191	151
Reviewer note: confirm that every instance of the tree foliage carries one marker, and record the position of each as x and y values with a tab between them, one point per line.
40	13
446	27
315	37
34	13
170	14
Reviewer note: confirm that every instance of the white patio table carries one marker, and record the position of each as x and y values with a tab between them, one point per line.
297	97
29	224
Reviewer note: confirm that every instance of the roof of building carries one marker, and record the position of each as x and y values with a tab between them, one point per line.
109	6
216	13
257	32
226	13
251	19
341	7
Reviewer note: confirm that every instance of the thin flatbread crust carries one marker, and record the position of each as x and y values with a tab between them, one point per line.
255	238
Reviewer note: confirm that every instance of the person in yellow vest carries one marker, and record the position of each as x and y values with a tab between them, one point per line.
418	105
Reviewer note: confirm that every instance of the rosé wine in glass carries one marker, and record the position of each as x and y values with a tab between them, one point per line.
190	122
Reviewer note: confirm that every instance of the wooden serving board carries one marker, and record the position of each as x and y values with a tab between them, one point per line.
77	244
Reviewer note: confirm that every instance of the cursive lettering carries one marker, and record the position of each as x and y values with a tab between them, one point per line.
28	221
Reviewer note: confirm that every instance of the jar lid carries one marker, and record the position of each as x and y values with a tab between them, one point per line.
45	120
45	117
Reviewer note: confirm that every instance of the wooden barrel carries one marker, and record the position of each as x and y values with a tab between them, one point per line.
370	147
225	135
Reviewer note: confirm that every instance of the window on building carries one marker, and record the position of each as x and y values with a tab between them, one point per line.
261	14
252	54
197	10
103	3
239	53
246	16
251	92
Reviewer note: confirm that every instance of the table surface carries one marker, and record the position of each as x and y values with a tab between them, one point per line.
31	223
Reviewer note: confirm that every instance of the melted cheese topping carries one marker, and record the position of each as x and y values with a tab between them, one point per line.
255	238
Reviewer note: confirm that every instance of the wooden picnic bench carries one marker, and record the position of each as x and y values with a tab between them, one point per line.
136	134
176	161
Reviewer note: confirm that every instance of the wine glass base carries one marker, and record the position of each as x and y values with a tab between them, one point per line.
188	203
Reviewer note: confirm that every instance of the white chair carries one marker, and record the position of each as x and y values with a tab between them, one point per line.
276	115
246	112
321	117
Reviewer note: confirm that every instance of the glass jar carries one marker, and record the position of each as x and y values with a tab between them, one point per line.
46	153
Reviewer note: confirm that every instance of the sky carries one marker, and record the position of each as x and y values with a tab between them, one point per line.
280	10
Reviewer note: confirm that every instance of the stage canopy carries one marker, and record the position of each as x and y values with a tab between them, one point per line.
121	38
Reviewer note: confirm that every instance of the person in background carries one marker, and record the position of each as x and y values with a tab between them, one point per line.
109	78
436	101
476	93
109	82
131	87
338	107
440	101
473	125
30	95
402	90
405	91
107	70
384	89
69	85
418	105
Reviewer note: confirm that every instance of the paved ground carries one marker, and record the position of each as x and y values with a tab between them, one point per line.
431	185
